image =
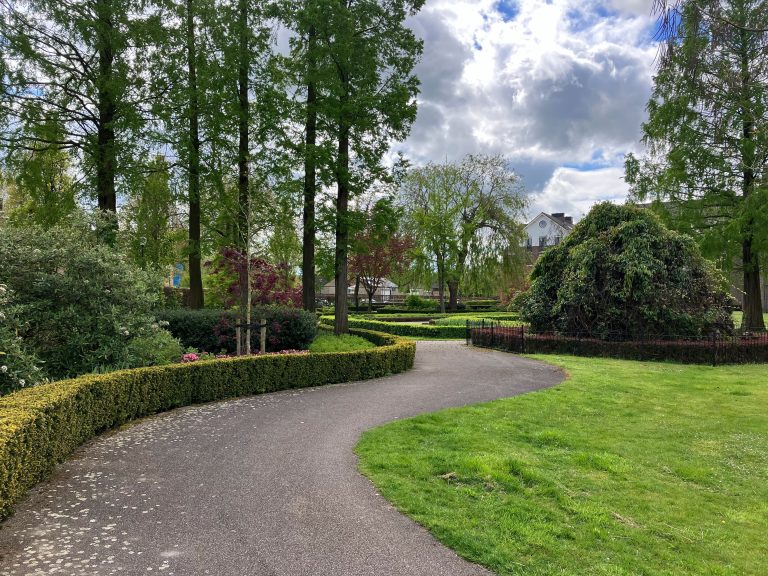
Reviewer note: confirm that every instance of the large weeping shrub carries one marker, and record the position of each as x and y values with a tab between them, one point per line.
622	274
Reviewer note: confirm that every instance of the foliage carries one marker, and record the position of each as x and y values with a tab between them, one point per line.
464	219
214	330
43	191
326	343
41	426
621	273
707	159
378	251
416	302
270	284
716	351
626	468
402	329
151	238
18	367
82	303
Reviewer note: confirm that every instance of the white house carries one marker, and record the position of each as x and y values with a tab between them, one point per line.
546	230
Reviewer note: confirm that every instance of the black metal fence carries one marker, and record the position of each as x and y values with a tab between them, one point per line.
739	349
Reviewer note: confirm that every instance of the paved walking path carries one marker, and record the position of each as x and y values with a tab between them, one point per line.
260	486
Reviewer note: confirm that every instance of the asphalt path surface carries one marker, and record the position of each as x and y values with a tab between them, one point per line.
260	486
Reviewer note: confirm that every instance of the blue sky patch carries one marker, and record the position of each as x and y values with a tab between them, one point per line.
508	9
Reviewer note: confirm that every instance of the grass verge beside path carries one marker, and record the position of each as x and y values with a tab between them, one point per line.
345	343
626	468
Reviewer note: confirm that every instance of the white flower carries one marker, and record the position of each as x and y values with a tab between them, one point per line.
21	382
3	369
126	333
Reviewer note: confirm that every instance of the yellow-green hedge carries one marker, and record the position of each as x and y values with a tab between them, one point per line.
403	329
40	426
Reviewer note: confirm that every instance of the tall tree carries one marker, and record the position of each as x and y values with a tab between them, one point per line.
43	190
466	216
75	61
370	89
707	133
148	215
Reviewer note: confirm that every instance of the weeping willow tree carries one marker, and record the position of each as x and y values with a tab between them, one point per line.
465	218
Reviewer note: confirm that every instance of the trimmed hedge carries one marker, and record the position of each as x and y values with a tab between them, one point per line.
40	426
213	330
399	329
729	350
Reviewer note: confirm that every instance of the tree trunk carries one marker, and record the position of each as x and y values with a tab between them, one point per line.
310	176
441	282
107	109
370	298
195	271
752	318
453	291
341	324
357	291
243	192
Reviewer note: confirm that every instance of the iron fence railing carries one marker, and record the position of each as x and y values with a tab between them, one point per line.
715	350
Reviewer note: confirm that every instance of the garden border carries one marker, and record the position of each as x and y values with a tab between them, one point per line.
41	426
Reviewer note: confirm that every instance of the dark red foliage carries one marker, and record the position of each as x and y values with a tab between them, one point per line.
270	284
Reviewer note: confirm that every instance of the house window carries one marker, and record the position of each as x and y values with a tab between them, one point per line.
528	243
558	238
542	241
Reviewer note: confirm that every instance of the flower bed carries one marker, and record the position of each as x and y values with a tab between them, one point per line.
40	426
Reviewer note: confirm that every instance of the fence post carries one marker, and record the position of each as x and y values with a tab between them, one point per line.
469	332
492	339
522	339
714	350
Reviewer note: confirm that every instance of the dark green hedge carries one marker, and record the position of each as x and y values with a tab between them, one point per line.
213	330
399	329
40	426
728	350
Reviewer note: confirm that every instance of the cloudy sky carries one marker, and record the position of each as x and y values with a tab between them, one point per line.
557	86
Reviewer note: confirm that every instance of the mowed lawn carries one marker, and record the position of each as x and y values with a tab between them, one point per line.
625	468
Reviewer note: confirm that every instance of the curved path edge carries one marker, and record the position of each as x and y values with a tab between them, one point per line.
264	485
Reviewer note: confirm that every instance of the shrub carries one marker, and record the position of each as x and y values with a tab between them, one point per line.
214	330
18	367
622	272
399	329
83	303
41	426
416	302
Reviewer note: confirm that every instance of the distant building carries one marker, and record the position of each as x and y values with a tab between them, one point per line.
384	293
546	230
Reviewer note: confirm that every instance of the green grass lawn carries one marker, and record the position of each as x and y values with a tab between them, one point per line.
625	468
344	343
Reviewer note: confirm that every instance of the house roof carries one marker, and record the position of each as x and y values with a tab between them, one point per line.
558	218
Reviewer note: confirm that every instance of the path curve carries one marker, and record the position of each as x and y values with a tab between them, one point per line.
260	486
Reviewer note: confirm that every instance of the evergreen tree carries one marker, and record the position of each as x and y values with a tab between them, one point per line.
707	135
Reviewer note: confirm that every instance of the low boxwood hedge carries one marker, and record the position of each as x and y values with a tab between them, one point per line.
399	329
40	426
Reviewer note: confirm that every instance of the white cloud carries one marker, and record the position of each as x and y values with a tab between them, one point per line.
576	191
562	82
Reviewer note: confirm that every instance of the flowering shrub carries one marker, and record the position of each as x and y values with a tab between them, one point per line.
19	368
84	306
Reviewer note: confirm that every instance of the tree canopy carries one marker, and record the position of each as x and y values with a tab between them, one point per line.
707	138
465	219
622	273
